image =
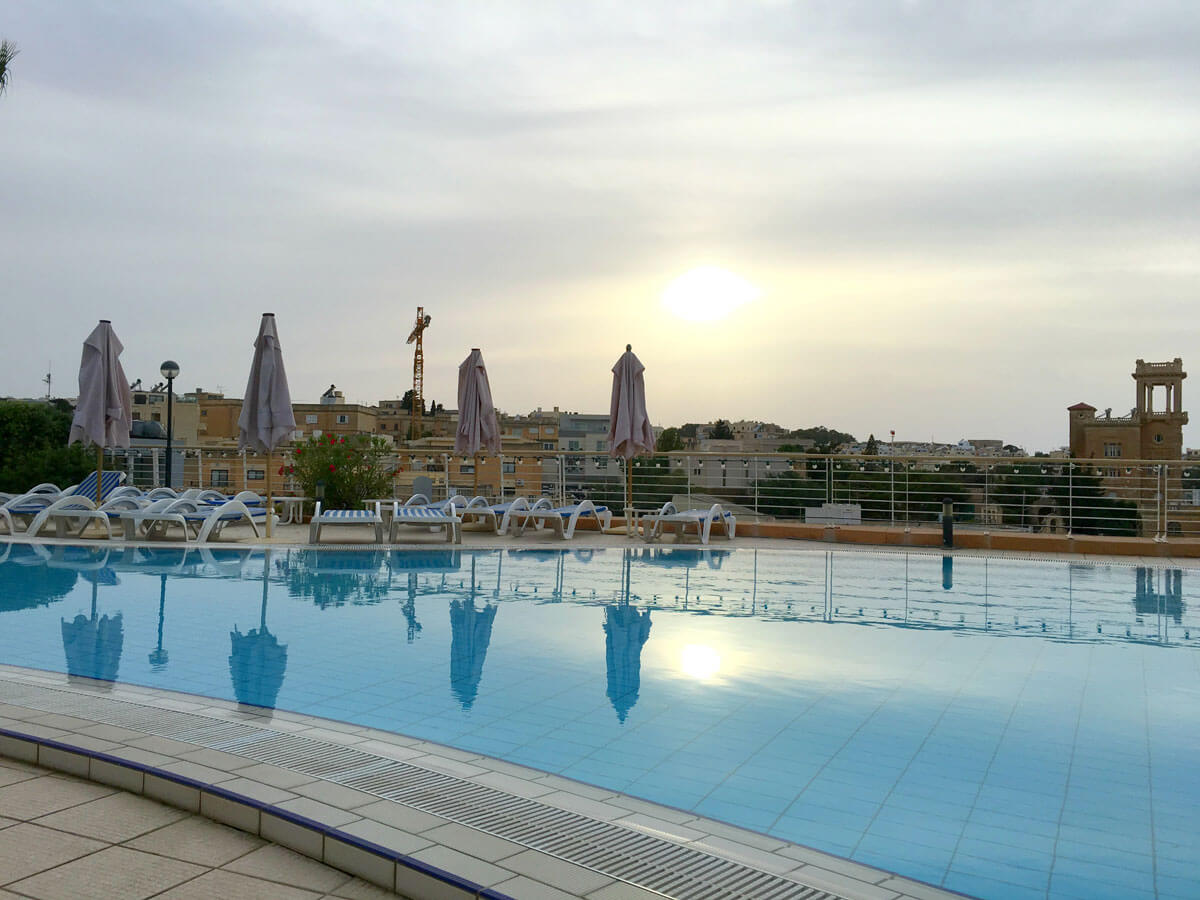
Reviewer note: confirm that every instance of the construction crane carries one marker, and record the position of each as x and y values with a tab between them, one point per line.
418	394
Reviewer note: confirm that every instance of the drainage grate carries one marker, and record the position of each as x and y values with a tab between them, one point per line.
641	859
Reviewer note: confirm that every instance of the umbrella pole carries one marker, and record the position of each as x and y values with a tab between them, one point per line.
99	470
93	601
270	501
629	529
475	469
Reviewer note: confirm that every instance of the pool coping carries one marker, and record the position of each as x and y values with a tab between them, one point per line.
61	742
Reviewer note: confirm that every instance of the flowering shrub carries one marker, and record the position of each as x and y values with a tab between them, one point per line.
352	468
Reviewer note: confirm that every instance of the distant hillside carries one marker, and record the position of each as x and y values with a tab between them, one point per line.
822	437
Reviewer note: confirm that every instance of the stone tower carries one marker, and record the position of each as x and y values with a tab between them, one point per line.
1161	429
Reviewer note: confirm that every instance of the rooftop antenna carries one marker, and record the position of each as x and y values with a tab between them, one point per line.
48	378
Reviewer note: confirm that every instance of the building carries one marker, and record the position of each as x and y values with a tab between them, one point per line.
217	420
151	406
1153	430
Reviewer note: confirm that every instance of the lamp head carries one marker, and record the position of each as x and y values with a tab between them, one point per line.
169	369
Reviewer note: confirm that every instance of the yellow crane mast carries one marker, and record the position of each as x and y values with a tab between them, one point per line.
418	394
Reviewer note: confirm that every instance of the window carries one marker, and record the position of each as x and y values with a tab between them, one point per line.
1158	439
508	468
157	417
297	435
203	413
137	416
310	420
574	466
218	478
573	445
466	469
547	446
601	463
343	419
1112	450
601	446
256	474
139	399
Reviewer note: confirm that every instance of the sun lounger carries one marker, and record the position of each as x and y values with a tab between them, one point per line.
562	519
205	521
654	524
321	518
433	517
25	507
80	512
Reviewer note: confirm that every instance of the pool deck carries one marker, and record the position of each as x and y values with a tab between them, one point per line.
312	808
407	815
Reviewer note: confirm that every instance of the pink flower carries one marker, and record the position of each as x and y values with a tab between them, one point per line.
332	467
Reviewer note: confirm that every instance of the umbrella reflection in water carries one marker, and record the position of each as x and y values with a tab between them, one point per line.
257	661
93	644
626	630
470	635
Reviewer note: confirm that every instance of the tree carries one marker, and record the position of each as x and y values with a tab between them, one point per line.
688	430
8	50
872	448
33	447
721	431
406	402
669	440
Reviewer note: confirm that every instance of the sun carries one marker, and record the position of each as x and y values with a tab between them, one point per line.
699	661
707	294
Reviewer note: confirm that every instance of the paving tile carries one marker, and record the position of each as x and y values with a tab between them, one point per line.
556	872
115	818
47	794
320	812
63	761
118	776
197	772
275	776
255	790
660	828
584	806
229	812
412	883
28	849
837	883
111	733
197	840
357	889
475	843
462	865
528	889
519	787
16	765
14	749
288	867
165	746
279	830
221	884
5	823
357	861
400	816
335	794
172	793
387	836
619	890
12	776
114	872
217	759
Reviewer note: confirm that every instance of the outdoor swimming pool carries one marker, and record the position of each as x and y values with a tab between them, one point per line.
999	727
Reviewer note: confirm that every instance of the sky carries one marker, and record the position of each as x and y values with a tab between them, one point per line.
955	218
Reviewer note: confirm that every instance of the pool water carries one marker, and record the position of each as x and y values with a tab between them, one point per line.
1002	728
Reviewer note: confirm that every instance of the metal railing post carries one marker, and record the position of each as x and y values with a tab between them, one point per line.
688	462
1070	498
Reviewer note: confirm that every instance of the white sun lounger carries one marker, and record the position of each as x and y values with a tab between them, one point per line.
562	519
654	524
323	517
431	516
81	512
206	521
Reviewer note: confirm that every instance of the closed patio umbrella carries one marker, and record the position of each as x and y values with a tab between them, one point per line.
629	430
267	418
104	411
470	635
477	427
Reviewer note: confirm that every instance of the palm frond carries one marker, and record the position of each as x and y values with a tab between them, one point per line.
8	51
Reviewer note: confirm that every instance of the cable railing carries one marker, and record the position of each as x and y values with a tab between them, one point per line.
1111	497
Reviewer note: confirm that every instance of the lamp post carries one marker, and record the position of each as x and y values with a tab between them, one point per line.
169	370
